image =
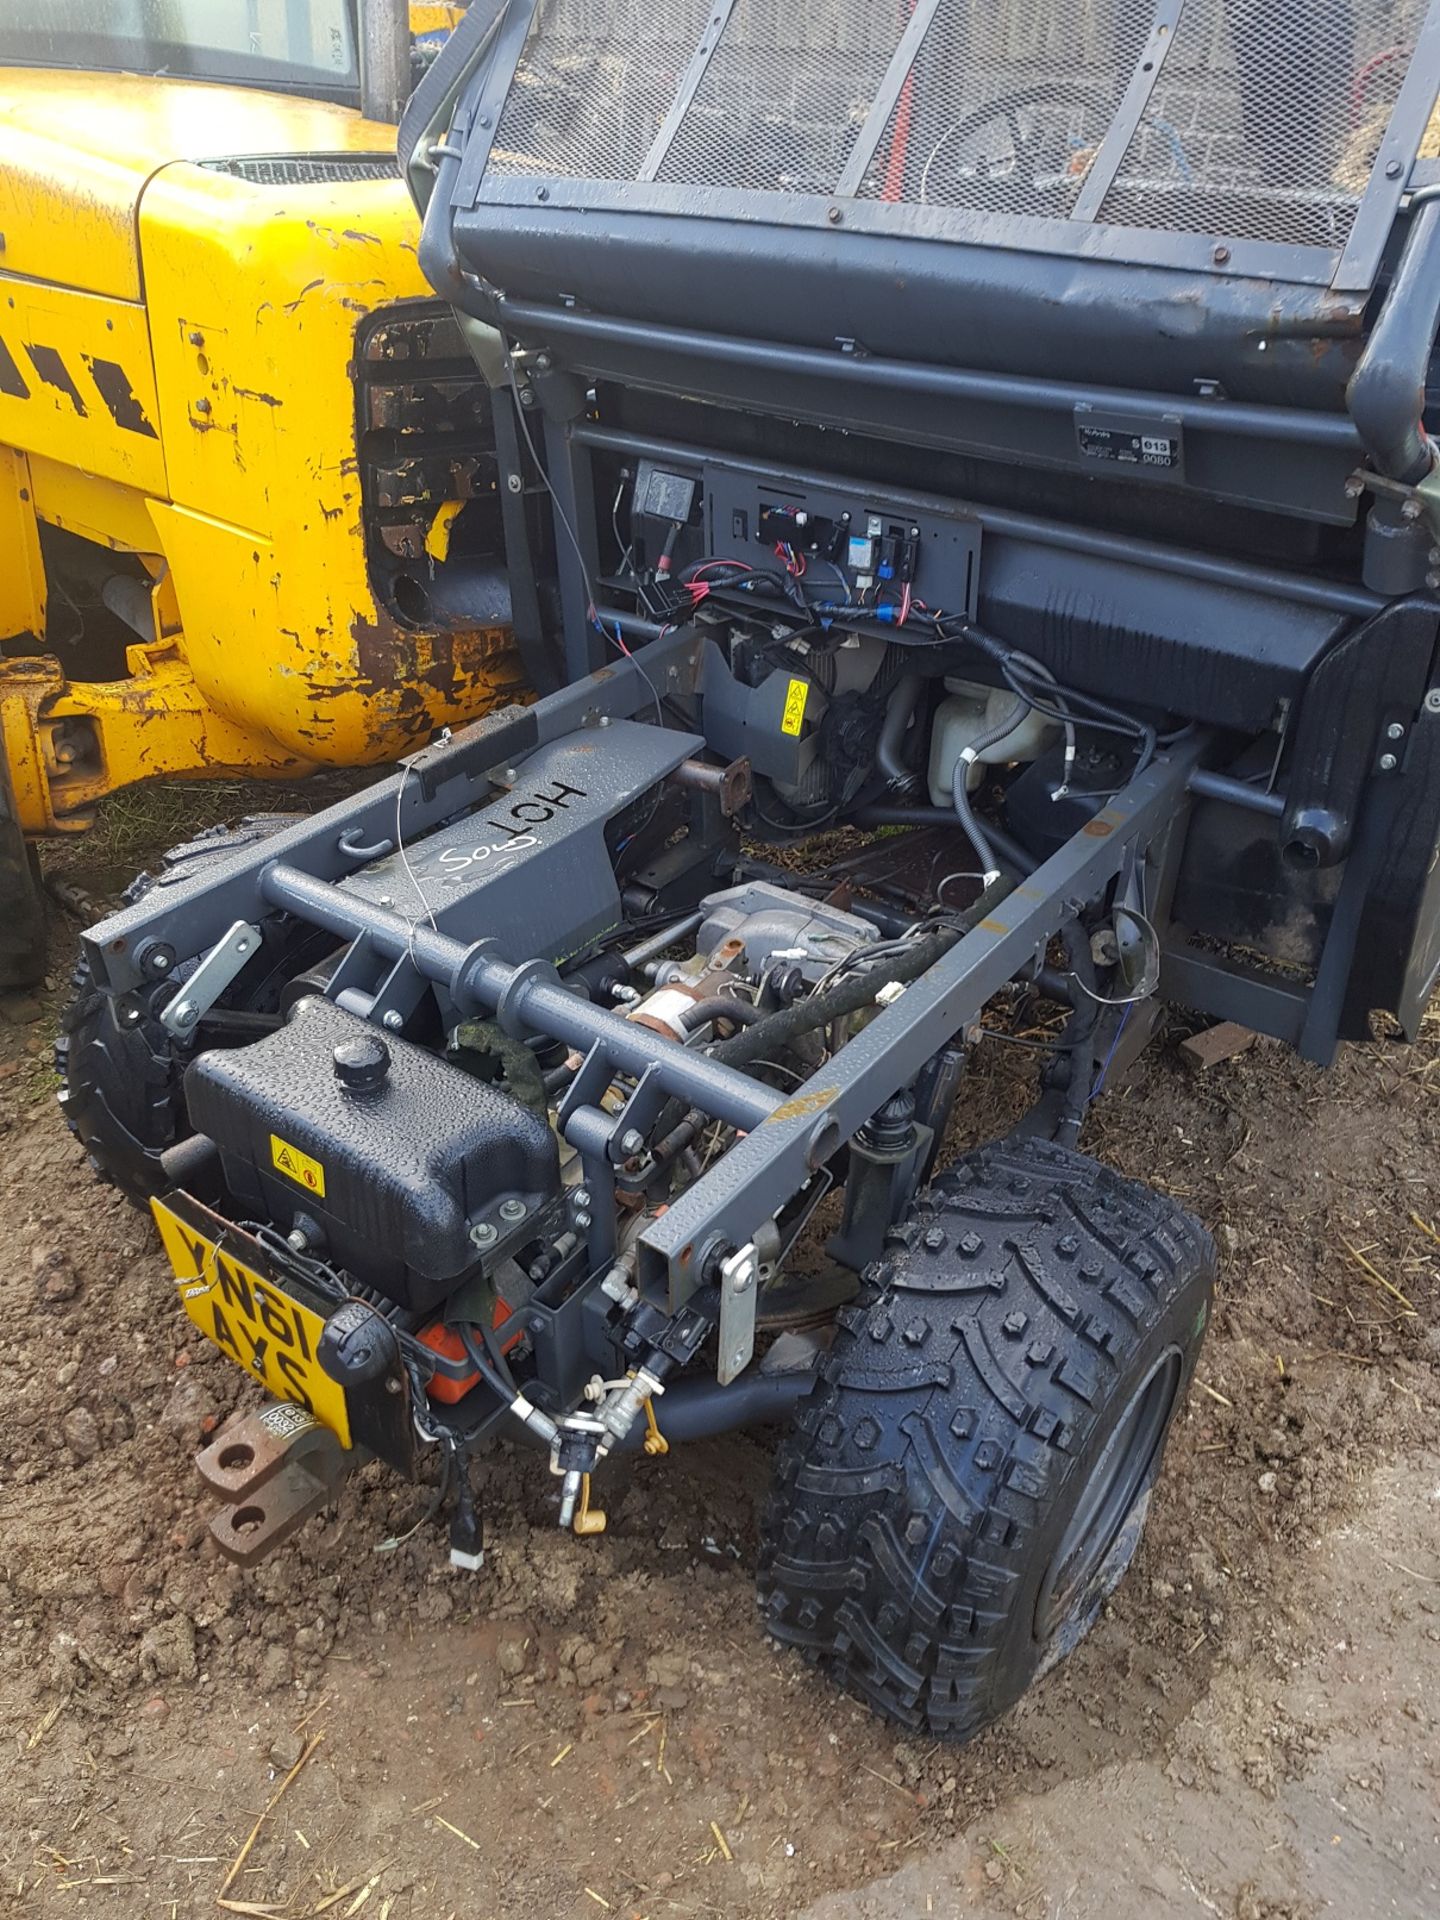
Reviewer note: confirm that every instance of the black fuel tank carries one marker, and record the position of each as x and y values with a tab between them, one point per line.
396	1155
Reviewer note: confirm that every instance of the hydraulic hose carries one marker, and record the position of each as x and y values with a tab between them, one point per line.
698	1409
988	841
720	1006
855	990
509	1396
890	748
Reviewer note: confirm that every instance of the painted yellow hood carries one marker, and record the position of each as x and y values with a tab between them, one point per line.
76	150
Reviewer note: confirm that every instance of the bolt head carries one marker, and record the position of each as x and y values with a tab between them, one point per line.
632	1141
186	1014
1432	700
482	1234
159	961
1411	510
580	1197
1388	763
1393	170
1394	731
514	483
835	215
582	1220
512	1209
1221	256
393	1019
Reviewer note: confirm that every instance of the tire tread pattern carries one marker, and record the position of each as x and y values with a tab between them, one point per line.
914	1489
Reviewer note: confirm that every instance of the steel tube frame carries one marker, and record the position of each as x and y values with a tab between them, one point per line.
527	998
1243	419
759	1174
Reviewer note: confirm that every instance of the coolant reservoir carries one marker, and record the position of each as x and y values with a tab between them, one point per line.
969	711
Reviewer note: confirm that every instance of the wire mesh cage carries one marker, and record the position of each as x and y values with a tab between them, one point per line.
1258	119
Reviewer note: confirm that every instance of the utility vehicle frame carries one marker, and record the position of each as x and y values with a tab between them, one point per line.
1003	427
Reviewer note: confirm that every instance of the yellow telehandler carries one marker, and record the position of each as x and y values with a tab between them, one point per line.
251	518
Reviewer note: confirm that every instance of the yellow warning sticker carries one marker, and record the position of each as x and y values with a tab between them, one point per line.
304	1171
796	694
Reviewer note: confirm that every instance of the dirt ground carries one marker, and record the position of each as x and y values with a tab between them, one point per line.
601	1726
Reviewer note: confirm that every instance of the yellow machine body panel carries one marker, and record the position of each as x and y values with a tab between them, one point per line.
194	412
76	383
77	149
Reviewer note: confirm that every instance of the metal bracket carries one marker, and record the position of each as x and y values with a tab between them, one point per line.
210	979
739	1296
273	1469
637	1116
1418	502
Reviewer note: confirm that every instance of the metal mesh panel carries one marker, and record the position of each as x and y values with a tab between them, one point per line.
785	94
1267	118
1005	105
1264	120
596	79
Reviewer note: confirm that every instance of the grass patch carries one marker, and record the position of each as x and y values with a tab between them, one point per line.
135	827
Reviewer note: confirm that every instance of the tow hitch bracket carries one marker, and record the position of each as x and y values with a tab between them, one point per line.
272	1469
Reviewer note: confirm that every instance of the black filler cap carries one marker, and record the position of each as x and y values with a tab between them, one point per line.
362	1064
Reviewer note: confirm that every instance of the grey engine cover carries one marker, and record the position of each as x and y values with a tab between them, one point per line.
530	869
769	921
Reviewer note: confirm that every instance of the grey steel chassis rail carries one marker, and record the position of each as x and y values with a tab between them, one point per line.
755	1178
785	1138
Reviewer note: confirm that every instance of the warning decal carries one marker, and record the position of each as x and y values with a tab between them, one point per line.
796	694
298	1166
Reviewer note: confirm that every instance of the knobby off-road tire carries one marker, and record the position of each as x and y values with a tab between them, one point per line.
968	1483
22	902
121	1087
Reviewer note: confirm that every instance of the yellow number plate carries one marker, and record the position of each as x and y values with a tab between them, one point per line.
252	1321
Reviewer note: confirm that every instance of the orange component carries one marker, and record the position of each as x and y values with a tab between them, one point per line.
447	1343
